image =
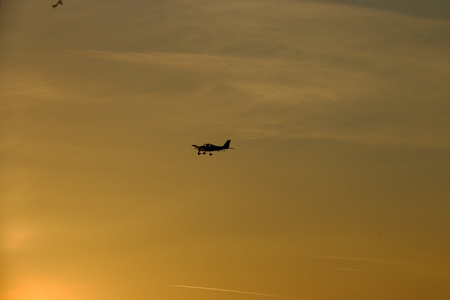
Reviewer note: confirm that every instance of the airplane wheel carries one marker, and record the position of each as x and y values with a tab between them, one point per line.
204	153
198	153
210	154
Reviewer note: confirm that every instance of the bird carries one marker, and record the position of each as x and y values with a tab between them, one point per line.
57	3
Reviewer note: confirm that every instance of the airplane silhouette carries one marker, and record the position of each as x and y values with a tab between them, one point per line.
210	147
57	3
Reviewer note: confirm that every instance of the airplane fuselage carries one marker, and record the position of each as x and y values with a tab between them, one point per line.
210	148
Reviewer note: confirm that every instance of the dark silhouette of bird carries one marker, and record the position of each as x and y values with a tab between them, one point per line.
57	3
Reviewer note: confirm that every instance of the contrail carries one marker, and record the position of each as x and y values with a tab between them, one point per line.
233	291
384	261
346	269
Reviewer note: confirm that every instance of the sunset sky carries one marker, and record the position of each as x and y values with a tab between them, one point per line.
338	186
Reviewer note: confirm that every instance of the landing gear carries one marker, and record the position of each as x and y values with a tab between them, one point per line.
199	152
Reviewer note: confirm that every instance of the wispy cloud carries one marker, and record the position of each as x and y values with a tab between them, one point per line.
429	9
29	84
308	70
321	71
314	98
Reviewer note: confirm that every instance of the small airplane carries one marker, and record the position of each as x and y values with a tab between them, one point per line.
210	148
57	3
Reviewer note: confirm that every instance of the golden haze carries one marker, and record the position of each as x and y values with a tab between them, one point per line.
337	187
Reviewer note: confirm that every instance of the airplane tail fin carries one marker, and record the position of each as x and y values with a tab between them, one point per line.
227	144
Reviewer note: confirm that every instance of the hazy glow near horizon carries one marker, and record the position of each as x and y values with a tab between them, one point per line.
337	187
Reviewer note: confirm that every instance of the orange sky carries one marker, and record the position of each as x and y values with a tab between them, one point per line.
337	187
